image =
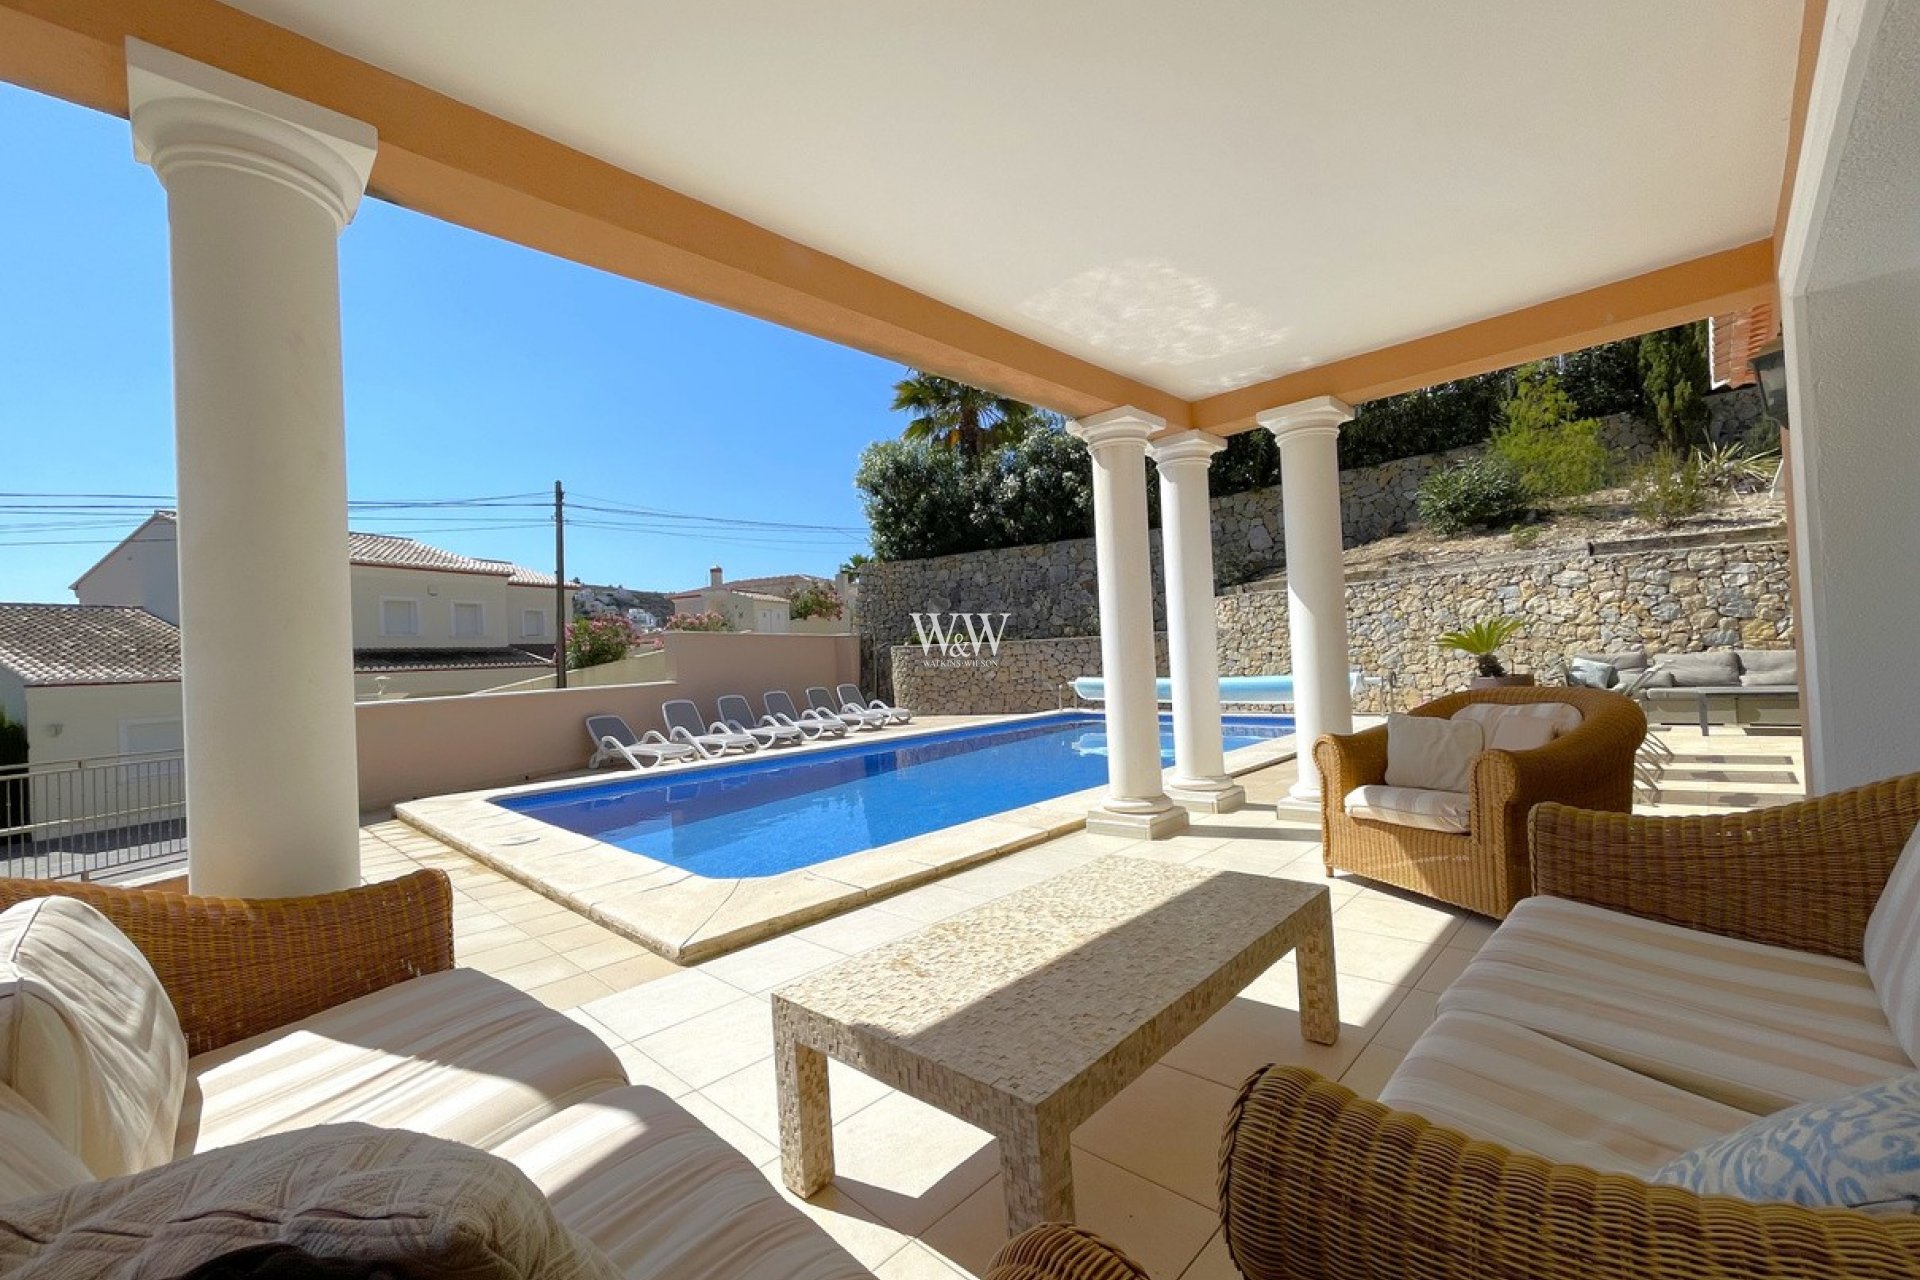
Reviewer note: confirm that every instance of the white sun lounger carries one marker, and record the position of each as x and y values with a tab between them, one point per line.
737	714
813	723
851	695
710	740
614	740
859	717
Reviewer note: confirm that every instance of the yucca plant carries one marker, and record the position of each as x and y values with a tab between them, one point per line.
1481	642
1732	468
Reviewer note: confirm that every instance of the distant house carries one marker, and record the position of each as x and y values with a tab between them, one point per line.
759	604
426	621
90	680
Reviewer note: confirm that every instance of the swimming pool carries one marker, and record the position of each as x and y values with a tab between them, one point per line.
770	813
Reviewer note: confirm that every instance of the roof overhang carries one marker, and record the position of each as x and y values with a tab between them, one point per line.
450	158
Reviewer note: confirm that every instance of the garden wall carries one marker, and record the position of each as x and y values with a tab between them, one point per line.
1665	594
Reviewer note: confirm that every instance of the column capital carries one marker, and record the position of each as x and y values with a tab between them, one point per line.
1186	446
188	115
1118	426
1322	415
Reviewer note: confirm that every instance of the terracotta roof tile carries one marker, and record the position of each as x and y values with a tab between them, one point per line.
374	661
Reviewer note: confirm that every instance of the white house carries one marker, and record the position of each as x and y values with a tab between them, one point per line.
761	604
425	621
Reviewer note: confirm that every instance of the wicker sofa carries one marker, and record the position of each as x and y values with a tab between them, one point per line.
347	1008
1484	869
1445	1178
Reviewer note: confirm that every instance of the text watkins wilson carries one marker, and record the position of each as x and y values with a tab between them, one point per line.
960	637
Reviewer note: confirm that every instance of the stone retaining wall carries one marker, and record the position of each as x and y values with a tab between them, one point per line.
1666	599
1026	675
1662	597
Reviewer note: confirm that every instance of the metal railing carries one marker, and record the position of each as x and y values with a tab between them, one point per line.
79	819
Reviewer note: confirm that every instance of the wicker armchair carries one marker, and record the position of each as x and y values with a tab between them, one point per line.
1318	1184
1487	869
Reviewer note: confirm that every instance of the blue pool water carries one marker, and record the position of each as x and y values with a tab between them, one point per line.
770	813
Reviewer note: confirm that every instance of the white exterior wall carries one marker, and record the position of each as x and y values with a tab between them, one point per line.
434	595
143	572
94	723
519	600
88	721
1850	301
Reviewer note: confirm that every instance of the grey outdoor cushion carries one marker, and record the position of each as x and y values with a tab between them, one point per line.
1717	668
1628	661
1592	673
1768	666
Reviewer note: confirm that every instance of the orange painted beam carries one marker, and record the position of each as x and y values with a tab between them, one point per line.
1813	22
1672	295
450	160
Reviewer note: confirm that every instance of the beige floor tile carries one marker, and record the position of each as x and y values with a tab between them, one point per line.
644	1070
1165	1126
773	963
538	973
656	1006
1214	1262
570	992
1162	1231
1369	1072
643	968
1250	1033
470	944
567	933
931	903
1372	911
608	948
1412	1016
852	1226
535	908
714	1044
498	959
587	1020
1473	931
917	1262
910	1163
1383	959
860	930
1447	966
751	1097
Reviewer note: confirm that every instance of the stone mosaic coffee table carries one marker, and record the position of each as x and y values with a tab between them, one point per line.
1026	1015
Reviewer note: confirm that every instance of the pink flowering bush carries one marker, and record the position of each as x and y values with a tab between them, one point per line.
604	638
711	620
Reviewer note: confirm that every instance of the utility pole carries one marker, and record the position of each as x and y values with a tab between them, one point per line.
560	618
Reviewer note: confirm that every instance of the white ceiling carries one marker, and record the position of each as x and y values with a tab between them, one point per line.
1197	193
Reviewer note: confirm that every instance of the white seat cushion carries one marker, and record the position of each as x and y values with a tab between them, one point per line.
1892	947
666	1199
88	1036
1412	807
1499	1081
1756	1027
456	1055
1431	754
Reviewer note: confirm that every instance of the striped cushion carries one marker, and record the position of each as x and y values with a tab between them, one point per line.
457	1055
1757	1027
663	1197
1892	947
1499	1081
32	1160
1412	807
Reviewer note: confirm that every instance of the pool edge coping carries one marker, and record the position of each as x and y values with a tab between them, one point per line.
688	918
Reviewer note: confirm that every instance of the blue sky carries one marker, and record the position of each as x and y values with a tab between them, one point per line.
473	368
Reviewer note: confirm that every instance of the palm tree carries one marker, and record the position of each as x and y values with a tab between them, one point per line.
954	415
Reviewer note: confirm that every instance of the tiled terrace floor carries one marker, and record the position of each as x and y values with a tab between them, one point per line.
1143	1166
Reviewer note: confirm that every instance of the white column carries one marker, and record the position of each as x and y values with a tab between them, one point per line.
1135	803
1309	436
259	185
1200	782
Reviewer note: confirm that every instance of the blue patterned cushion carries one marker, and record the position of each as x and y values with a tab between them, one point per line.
1860	1150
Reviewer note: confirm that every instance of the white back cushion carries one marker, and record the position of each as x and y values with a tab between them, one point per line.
1492	717
88	1036
1431	753
32	1161
1892	948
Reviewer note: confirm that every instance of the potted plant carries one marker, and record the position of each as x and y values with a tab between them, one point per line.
1481	642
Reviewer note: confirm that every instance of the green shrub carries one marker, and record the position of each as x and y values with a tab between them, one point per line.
1480	491
1556	454
1526	536
1730	468
1668	487
1762	438
13	741
925	501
